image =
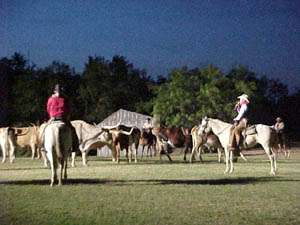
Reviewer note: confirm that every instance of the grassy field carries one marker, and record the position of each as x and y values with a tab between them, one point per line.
152	192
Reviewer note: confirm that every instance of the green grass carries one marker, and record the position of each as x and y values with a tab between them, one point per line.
152	192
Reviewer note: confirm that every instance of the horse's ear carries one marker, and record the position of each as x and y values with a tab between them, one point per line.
205	118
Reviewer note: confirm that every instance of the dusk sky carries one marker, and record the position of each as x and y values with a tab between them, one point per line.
158	35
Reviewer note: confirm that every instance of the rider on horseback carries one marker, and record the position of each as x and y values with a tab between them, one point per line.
147	126
59	110
240	122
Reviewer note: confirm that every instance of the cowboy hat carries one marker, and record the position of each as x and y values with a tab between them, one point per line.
243	96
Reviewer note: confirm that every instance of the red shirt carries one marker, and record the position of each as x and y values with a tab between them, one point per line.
57	106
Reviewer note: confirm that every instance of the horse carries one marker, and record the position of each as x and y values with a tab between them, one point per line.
208	140
58	145
148	139
168	138
263	135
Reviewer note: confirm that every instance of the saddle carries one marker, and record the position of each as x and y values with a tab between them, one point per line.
250	130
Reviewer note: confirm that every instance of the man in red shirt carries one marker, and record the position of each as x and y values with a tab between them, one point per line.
57	105
58	109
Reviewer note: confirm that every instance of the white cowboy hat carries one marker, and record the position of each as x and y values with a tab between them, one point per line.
243	96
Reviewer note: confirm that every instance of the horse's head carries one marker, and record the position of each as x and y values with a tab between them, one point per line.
204	126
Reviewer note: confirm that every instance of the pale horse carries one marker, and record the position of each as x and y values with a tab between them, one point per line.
264	136
209	140
57	144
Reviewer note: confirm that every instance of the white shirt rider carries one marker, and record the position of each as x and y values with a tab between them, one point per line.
241	107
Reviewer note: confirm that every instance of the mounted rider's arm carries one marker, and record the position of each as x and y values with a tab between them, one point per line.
279	127
241	113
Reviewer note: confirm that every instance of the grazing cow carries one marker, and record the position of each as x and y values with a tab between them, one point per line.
58	144
123	138
28	137
7	139
148	139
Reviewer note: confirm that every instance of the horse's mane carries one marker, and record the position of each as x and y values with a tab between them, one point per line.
219	121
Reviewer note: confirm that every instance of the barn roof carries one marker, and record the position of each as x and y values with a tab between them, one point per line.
125	117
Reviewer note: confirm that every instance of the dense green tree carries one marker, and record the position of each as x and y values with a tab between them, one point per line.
191	94
108	86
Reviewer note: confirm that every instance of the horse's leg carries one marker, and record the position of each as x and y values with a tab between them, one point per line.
219	155
226	159
143	151
169	157
154	149
65	168
200	149
44	157
272	158
32	146
73	156
288	152
185	152
38	152
61	162
231	161
11	151
243	157
195	147
150	150
52	167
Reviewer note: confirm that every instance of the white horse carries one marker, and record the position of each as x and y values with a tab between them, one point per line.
264	136
58	144
208	140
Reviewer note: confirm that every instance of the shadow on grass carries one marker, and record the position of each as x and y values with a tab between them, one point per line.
223	181
25	168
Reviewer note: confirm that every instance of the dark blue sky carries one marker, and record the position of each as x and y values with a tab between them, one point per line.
158	35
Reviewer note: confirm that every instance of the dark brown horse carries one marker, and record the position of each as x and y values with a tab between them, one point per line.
168	138
148	139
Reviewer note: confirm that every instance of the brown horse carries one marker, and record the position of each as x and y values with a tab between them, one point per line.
148	139
168	138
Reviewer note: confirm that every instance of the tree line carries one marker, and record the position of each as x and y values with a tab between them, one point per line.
180	98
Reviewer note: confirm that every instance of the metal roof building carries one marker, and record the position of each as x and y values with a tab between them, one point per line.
122	117
126	118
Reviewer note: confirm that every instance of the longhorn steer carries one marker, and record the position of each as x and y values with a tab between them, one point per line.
91	137
123	138
28	137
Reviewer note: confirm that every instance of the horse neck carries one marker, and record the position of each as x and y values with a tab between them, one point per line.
218	126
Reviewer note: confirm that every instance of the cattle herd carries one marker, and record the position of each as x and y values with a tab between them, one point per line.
46	142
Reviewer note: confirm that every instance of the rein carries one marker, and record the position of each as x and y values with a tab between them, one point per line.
221	130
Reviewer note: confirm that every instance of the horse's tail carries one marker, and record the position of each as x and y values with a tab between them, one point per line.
58	144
